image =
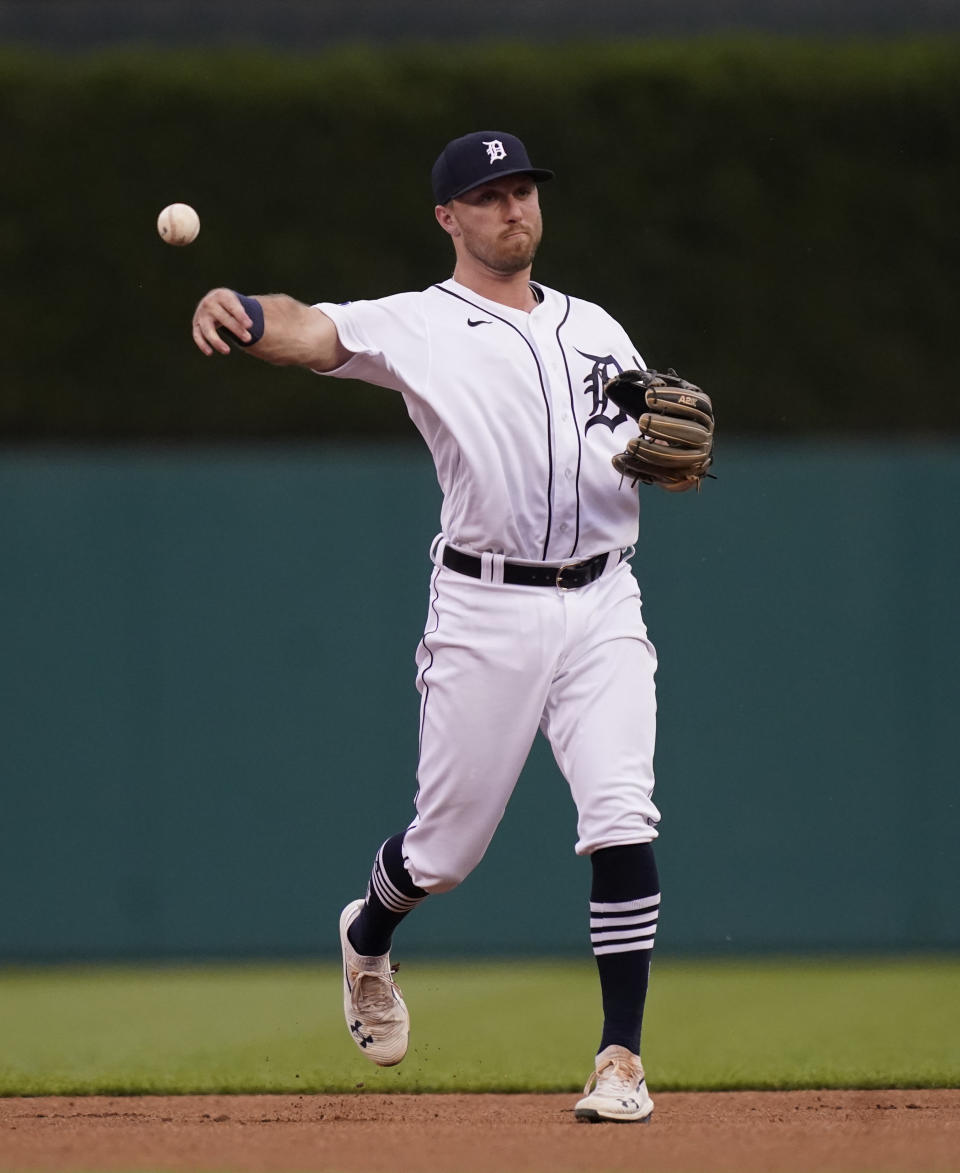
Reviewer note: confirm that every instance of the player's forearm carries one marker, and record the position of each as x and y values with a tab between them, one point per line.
295	334
274	327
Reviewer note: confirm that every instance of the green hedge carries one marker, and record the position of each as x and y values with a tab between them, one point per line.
775	218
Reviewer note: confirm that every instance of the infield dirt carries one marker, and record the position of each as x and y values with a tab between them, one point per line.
778	1132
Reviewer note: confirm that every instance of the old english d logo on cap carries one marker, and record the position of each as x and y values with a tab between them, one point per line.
475	158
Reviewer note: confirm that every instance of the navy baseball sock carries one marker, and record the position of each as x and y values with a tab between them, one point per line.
624	905
391	894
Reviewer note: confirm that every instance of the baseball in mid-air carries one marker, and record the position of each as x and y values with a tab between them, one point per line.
178	224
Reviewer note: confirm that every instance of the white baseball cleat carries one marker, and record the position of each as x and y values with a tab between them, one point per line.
373	1005
619	1092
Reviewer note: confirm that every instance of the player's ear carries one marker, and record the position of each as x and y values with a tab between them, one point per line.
446	219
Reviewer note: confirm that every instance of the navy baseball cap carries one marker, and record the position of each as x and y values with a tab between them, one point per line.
473	159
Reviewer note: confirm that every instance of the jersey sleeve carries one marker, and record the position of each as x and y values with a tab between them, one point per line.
615	338
636	358
388	339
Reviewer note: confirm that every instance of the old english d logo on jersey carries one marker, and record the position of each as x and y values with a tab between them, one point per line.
603	370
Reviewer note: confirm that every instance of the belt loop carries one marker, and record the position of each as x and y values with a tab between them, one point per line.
486	566
437	547
496	568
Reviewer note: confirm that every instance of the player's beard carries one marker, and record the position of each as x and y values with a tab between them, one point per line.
507	254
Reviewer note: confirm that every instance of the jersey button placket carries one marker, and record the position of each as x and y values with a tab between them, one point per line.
566	454
562	436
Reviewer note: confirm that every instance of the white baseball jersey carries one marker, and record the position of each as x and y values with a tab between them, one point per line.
511	406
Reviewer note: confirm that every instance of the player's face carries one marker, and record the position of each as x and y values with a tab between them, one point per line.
499	223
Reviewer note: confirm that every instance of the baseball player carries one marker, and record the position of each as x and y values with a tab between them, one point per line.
534	617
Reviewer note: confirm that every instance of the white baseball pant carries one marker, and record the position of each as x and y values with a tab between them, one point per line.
496	663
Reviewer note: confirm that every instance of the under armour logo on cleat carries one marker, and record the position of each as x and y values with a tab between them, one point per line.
357	1031
479	322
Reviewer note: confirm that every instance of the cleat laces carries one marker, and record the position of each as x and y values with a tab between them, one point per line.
617	1078
375	994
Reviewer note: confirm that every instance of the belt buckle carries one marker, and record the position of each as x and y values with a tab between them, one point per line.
566	566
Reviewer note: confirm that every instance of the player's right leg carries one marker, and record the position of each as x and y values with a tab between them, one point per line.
373	1004
485	667
481	702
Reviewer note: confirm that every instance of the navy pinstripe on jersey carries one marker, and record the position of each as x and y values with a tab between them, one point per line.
546	404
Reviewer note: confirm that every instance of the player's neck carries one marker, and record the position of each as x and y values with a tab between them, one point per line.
509	289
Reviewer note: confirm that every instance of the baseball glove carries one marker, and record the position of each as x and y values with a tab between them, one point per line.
675	417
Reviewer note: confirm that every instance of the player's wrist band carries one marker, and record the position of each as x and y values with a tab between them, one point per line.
255	313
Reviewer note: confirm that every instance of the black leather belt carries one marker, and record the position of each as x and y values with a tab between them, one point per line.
567	577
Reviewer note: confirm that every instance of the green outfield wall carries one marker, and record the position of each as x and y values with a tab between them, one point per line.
208	715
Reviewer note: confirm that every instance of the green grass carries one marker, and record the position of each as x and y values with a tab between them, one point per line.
532	1026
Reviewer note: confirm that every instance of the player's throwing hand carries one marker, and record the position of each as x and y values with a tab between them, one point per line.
220	309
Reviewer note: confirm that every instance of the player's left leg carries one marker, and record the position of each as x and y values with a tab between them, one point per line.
600	715
624	908
600	720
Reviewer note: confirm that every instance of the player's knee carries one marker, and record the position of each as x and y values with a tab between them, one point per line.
444	881
438	878
436	864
